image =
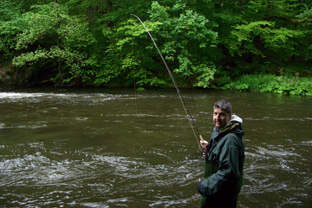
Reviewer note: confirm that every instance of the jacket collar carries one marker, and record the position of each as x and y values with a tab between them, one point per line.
232	124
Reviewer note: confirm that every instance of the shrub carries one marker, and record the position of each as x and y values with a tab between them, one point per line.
273	84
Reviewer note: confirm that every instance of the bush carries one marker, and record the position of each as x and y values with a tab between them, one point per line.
272	84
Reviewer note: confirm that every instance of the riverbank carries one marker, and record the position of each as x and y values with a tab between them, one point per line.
272	84
277	84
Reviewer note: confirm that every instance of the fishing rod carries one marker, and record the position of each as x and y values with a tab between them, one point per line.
185	107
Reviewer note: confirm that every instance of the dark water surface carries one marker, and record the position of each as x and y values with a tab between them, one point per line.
117	148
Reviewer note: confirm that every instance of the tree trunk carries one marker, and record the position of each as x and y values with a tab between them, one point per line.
240	4
59	46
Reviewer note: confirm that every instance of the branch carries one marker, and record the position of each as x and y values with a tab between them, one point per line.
294	20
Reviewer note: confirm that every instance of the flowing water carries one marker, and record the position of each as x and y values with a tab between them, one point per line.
120	148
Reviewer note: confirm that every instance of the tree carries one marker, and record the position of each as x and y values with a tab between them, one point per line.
10	26
264	35
99	42
179	32
306	28
51	34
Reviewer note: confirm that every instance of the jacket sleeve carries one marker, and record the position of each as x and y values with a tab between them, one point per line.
227	173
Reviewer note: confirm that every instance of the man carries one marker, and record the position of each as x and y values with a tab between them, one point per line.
224	159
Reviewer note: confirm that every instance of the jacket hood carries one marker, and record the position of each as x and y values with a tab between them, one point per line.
234	125
235	118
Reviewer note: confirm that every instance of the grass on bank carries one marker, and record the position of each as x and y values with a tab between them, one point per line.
272	84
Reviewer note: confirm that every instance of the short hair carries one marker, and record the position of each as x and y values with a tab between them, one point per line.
224	105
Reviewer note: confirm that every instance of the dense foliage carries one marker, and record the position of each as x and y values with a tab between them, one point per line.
274	84
206	43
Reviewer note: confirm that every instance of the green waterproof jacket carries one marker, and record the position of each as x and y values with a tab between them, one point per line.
224	163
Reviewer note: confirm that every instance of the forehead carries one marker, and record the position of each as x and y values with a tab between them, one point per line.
219	110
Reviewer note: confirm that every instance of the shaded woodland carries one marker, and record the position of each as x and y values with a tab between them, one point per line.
261	45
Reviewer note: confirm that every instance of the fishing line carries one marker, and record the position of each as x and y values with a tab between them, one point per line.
185	107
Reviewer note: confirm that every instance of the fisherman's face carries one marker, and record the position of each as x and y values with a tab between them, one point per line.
220	117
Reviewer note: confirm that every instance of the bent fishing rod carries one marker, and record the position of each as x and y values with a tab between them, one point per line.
185	107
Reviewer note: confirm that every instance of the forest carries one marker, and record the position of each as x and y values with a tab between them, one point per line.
252	45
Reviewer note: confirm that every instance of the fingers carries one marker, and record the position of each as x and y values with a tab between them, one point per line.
203	143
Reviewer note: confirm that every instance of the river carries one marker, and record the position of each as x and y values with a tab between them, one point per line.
120	148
